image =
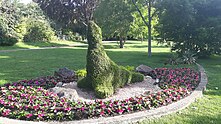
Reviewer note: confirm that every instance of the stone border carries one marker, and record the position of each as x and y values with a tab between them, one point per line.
134	117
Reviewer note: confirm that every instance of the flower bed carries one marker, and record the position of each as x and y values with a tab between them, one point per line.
30	99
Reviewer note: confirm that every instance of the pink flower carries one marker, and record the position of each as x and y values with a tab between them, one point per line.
111	105
82	108
103	106
40	89
10	97
68	109
129	109
29	115
101	113
36	107
120	111
6	112
40	115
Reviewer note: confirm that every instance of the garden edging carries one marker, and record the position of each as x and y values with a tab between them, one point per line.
138	116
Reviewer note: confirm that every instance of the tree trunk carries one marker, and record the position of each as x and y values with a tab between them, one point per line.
149	29
121	42
103	75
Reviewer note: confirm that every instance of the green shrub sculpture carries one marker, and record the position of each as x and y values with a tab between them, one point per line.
103	75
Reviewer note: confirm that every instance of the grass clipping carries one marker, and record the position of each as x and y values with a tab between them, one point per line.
103	75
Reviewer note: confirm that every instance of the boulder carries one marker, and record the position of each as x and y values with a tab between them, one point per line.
59	84
71	85
66	75
144	69
65	92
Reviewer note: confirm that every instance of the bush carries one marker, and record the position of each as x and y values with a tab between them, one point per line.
81	73
38	31
137	77
130	68
188	57
6	36
8	41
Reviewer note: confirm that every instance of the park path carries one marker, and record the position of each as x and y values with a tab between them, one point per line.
43	48
53	47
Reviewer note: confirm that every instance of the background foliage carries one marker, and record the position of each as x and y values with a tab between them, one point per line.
191	25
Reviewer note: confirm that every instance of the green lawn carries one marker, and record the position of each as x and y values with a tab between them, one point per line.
30	64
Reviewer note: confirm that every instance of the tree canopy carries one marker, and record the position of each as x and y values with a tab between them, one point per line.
69	11
191	25
114	17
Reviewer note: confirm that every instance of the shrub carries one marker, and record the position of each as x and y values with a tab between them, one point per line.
130	68
137	77
104	75
81	73
38	31
187	58
7	37
8	40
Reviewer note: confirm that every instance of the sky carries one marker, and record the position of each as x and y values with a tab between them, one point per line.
26	1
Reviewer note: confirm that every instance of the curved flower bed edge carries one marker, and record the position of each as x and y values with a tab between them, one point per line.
51	107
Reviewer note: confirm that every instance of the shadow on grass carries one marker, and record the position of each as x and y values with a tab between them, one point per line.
205	119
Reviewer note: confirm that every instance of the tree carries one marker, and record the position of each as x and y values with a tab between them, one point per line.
103	75
8	19
114	17
33	25
191	26
138	29
149	4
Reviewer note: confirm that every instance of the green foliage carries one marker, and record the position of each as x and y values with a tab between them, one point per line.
114	17
8	20
137	77
6	37
130	68
192	28
8	40
103	75
81	73
38	30
187	57
21	28
138	29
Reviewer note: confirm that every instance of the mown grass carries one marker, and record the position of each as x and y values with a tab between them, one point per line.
30	64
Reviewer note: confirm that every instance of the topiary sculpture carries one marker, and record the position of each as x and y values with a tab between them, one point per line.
103	75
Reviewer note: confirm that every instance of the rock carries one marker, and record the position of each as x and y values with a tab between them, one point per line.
144	69
60	94
59	84
64	73
71	85
65	92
